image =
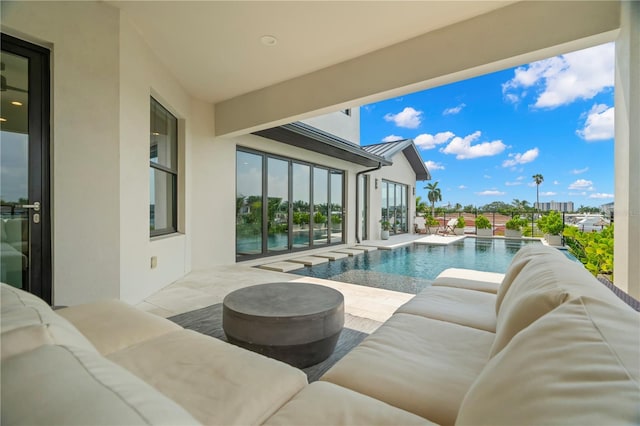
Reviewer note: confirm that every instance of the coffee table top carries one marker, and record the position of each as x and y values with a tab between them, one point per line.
283	299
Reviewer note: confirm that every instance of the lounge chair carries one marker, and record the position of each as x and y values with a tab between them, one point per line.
449	228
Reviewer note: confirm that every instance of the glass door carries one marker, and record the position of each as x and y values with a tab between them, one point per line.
336	217
25	253
277	205
301	184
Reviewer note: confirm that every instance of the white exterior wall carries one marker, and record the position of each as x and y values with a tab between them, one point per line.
142	75
627	153
399	172
85	152
339	124
103	75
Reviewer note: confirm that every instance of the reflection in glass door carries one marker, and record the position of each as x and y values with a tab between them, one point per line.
320	206
394	206
248	204
301	189
336	216
277	205
24	167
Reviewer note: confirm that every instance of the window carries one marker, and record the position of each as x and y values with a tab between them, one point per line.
394	205
284	205
163	172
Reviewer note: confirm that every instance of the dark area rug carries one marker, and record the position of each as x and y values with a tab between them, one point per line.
209	321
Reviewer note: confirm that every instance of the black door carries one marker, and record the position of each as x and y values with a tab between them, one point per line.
24	167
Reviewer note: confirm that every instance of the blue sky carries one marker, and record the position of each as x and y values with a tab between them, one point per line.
484	138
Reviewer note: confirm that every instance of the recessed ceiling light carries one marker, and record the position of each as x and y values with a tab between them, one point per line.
155	134
16	103
2	119
268	40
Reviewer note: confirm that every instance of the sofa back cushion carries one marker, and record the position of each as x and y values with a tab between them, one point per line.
519	261
28	322
579	364
545	281
59	385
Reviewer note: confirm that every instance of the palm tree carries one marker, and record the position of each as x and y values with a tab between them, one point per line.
433	195
421	206
538	179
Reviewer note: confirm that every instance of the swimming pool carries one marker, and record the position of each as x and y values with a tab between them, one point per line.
412	268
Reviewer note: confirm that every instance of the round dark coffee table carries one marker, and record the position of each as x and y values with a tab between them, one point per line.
297	323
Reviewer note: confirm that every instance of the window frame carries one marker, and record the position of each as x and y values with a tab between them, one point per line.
172	172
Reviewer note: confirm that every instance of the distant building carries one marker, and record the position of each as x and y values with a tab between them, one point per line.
561	206
607	209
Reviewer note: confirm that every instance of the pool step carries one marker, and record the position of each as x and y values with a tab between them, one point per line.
332	255
282	266
366	248
309	260
350	252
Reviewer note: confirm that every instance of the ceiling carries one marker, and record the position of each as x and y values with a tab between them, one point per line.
223	37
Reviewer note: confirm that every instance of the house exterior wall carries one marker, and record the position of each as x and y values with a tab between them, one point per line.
399	172
339	124
85	152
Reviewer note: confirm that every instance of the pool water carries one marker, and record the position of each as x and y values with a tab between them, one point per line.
412	268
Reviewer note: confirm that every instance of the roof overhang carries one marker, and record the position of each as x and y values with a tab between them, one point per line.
414	158
306	137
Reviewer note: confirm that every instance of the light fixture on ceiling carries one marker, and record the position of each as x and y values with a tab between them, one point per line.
268	40
16	103
155	134
2	119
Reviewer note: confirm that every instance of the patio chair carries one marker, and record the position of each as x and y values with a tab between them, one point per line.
449	228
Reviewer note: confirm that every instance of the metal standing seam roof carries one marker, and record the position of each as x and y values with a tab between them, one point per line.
389	149
307	137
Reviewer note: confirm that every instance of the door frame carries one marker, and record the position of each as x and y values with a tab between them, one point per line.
40	271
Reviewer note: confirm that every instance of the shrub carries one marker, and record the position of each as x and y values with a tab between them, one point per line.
386	225
516	223
593	249
461	223
482	222
430	221
551	223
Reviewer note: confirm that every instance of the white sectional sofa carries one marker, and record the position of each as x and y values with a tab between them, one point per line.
544	344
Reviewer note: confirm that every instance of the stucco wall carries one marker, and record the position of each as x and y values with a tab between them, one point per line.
339	124
85	151
399	172
143	75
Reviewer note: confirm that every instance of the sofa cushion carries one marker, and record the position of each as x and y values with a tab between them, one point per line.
470	308
28	322
519	261
323	403
579	364
58	385
472	280
544	283
112	325
216	382
418	364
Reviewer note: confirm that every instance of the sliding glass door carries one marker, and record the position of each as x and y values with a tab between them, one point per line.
394	206
300	204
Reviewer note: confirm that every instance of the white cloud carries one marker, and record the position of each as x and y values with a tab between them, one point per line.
563	79
520	178
462	187
392	138
427	141
516	183
491	192
408	117
583	193
600	195
523	158
486	176
548	194
464	150
432	165
599	124
453	110
582	184
576	172
555	182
